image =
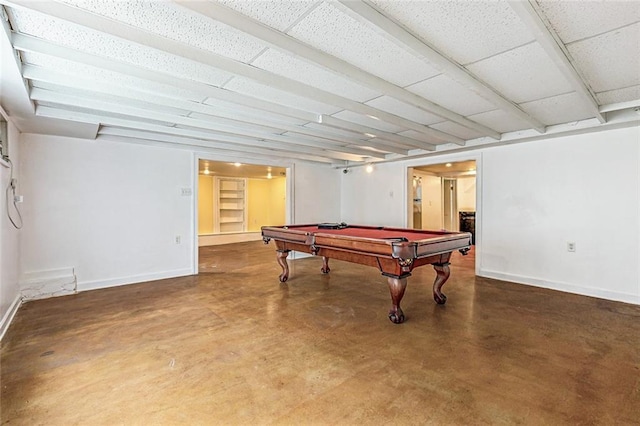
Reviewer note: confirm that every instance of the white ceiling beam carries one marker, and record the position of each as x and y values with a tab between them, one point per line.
367	12
16	92
214	141
536	21
147	39
32	44
203	146
264	149
42	95
89	89
281	143
288	44
348	125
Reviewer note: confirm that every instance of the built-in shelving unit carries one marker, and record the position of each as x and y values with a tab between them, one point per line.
230	205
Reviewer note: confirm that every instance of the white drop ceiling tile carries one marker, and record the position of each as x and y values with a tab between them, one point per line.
523	74
176	23
279	14
619	95
101	75
558	109
367	121
576	20
466	31
456	130
610	61
402	109
500	120
300	70
450	94
332	31
256	90
80	38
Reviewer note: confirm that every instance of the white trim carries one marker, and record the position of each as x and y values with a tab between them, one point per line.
195	164
133	279
9	315
562	287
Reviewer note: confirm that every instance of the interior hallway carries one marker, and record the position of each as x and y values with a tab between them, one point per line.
235	346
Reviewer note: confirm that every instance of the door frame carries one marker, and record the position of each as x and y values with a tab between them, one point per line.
197	156
433	159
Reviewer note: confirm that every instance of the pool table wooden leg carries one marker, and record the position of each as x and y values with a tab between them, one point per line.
396	288
325	265
442	275
282	261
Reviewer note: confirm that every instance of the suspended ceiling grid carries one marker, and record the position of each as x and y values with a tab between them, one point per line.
336	82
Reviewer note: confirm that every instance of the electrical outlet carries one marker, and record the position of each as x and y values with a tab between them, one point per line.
178	239
571	247
186	192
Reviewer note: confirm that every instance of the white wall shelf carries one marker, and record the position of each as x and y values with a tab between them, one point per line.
230	205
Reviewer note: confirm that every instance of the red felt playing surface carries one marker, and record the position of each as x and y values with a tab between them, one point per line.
372	232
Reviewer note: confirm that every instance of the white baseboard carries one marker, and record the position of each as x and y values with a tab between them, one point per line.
8	316
45	284
115	282
566	287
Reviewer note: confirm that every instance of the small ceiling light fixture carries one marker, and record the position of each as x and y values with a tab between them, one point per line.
448	165
369	168
269	175
237	164
206	171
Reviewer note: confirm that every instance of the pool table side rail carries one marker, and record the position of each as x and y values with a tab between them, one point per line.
449	241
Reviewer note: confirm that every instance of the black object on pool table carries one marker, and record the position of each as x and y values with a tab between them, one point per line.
341	225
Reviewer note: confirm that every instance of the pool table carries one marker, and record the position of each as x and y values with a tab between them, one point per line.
394	251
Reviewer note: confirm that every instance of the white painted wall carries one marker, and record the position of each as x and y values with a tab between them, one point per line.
533	199
582	189
9	236
108	211
316	194
378	198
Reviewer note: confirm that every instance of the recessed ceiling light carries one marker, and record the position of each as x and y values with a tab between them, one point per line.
369	168
448	165
237	164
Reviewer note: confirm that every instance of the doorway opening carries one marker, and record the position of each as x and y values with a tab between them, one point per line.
443	197
235	200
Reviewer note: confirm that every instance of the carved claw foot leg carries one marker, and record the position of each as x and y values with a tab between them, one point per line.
325	265
282	261
396	288
442	275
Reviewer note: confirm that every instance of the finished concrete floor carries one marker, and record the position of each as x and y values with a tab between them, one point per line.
233	346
